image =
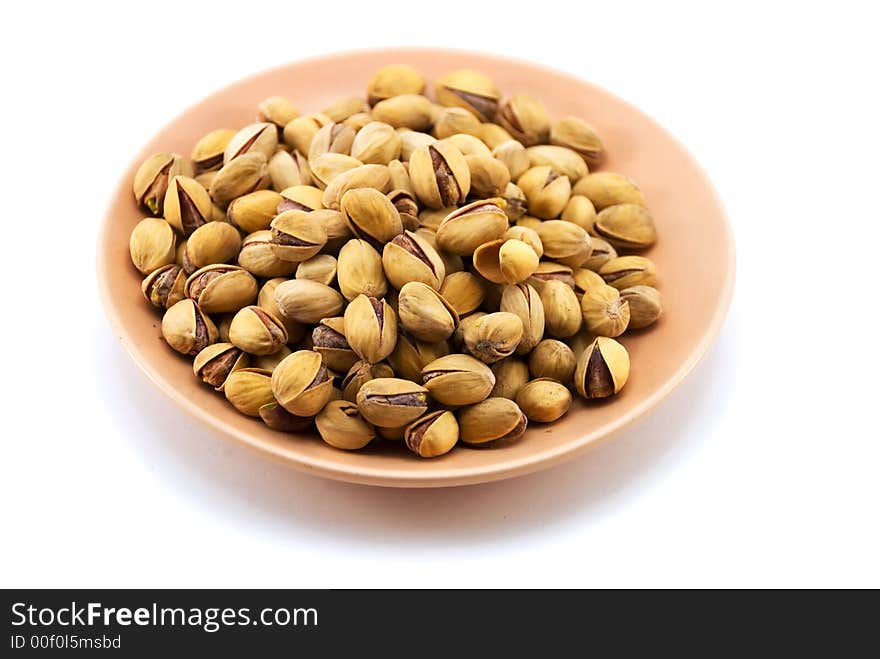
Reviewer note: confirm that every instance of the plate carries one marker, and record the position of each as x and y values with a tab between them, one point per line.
694	257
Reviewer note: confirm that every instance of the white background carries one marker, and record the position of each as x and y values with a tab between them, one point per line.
762	470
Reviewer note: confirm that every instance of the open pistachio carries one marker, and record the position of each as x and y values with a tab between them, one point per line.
328	340
331	138
320	268
645	305
394	80
493	420
409	257
514	156
458	379
359	271
529	236
254	211
152	244
214	242
410	356
526	119
626	226
370	328
342	426
469	90
288	169
560	159
300	198
494	336
207	154
376	143
259	137
187	205
510	375
392	402
240	176
152	178
580	211
515	202
187	329
468	227
605	314
579	136
489	177
258	258
360	373
256	331
424	313
249	389
626	271
544	400
562	311
214	364
606	189
164	287
307	301
552	359
296	236
548	270
221	288
371	216
507	261
377	177
523	301
299	132
277	418
301	383
602	252
452	121
440	175
602	370
405	111
547	191
277	110
434	434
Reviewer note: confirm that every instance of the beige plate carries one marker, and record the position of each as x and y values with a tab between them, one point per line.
695	262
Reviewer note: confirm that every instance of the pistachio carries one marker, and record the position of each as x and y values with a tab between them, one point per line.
440	175
626	271
494	336
580	211
371	216
377	177
413	140
405	111
376	143
240	176
468	227
468	145
259	137
469	90
151	244
601	253
548	270
406	204
336	228
562	312
164	287
526	119
510	375
305	198
410	356
345	108
256	331
586	280
299	132
424	312
560	159
458	379
187	205
523	301
606	189
493	135
544	400
296	236
505	261
489	177
289	169
328	340
552	359
249	389
221	288
307	301
528	221
214	364
515	202
463	291
370	328
453	121
207	154
529	236
301	383
320	268
400	180
214	242
258	258
152	178
565	242
394	80
602	369
434	434
360	373
277	418
645	305
514	156
392	402
492	420
408	258
626	226
331	138
605	314
254	211
187	329
342	426
278	111
360	271
579	136
328	166
547	191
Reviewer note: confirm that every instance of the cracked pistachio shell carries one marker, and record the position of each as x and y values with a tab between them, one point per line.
548	270
407	206
452	121
342	426
214	242
470	90
277	110
458	379
424	313
580	211
207	154
259	137
472	225
254	211
409	257
565	242
464	291
413	140
320	268
492	420
371	216
216	362
152	244
164	287
306	198
392	402
301	383
331	138
240	176
544	400
493	336
328	166
370	328
345	108
221	288
546	191
626	226
528	236
525	118
440	175
377	143
328	340
515	202
562	311
410	356
256	331
560	159
434	434
277	418
296	236
299	132
524	301
602	369
377	177
307	301
606	189
510	375
289	169
152	178
359	271
187	205
394	80
187	329
489	177
586	280
468	145
514	156
360	373
605	314
602	252
249	389
552	359
579	136
405	111
645	305
505	261
256	256
626	271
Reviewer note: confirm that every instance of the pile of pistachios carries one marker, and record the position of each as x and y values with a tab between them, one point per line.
437	271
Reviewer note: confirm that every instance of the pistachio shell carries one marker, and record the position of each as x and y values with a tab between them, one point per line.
409	257
492	420
371	328
187	205
472	225
626	271
152	244
221	288
249	389
458	379
307	301
256	331
392	402
342	426
544	400
626	226
606	189
424	313
602	369
301	383
261	137
394	80
360	271
434	434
